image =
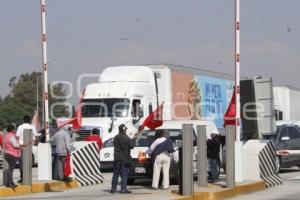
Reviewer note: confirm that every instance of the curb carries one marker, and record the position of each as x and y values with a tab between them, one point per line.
37	188
223	193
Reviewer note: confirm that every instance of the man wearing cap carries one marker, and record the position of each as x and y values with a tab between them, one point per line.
122	158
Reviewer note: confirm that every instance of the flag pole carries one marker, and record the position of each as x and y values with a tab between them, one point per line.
45	68
238	144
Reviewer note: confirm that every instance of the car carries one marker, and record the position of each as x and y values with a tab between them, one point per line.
287	139
139	171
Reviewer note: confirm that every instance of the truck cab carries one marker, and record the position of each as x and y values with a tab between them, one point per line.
123	95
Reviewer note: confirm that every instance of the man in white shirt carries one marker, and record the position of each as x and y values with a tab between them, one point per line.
20	135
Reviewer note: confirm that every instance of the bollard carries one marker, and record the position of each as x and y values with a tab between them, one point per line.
5	164
180	171
187	160
230	162
201	156
27	157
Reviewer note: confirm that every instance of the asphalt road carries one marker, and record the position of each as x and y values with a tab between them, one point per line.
288	191
141	190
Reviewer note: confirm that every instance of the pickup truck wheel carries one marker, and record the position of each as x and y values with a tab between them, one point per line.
130	181
277	163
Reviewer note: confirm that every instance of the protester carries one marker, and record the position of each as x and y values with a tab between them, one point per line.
61	141
42	137
213	156
95	138
11	154
160	151
122	158
73	135
20	135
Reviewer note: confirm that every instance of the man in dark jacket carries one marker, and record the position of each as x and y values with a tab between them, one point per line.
213	156
122	159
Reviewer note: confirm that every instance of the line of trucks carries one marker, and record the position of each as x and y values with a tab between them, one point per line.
128	94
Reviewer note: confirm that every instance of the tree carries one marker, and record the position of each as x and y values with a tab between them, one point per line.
1	101
26	96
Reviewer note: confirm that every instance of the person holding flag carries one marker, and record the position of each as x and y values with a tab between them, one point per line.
122	158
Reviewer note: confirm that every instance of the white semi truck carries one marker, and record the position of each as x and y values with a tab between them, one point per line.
128	94
286	103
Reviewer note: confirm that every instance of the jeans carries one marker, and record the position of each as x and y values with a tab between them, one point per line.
61	161
119	169
8	173
54	167
213	168
21	166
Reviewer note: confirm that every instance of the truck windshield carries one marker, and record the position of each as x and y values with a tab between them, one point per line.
106	107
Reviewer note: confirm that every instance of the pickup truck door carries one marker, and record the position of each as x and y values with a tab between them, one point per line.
294	144
285	144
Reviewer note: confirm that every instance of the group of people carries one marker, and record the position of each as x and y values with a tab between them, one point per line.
13	143
61	149
160	153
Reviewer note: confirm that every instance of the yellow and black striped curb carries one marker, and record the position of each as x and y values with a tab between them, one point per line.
37	187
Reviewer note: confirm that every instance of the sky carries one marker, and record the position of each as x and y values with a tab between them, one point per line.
85	36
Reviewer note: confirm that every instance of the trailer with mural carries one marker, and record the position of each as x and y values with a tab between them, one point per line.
128	94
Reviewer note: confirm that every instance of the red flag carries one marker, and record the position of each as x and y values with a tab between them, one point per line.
230	115
67	168
77	120
155	119
36	122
